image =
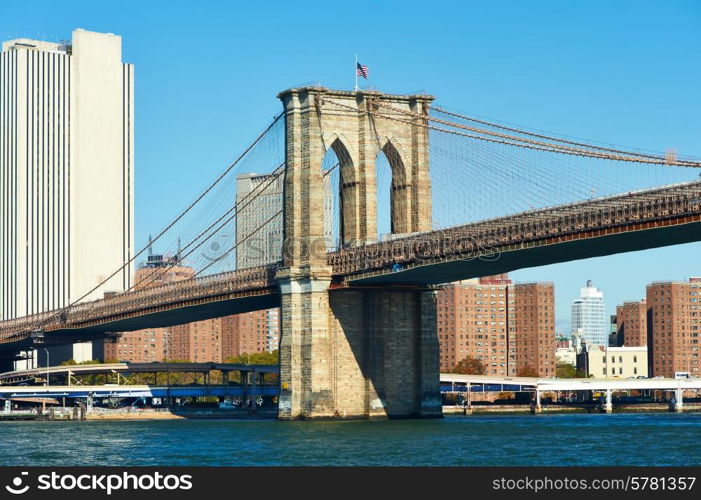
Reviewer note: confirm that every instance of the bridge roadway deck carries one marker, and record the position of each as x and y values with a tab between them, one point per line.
557	384
633	221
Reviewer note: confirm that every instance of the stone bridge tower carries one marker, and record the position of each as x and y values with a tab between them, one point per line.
354	352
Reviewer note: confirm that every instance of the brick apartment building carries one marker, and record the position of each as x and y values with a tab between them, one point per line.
201	341
631	323
152	344
674	325
532	328
509	327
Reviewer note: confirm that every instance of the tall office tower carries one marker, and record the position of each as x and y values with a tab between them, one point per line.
506	326
66	171
674	327
631	323
589	316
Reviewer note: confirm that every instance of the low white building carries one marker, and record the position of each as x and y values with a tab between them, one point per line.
614	362
566	355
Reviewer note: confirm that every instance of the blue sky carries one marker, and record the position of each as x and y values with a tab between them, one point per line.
207	74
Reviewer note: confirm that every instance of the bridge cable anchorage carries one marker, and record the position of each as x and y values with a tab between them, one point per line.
509	140
51	315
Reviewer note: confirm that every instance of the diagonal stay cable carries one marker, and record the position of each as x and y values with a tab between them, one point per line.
65	308
238	206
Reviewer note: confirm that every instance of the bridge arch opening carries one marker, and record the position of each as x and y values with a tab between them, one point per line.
393	192
340	196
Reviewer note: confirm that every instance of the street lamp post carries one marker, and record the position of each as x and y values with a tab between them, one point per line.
43	401
47	366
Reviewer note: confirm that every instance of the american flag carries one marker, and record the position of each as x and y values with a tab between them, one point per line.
362	70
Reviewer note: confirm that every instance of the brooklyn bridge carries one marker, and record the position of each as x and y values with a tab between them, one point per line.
385	196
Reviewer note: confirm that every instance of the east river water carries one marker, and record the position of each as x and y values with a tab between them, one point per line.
581	439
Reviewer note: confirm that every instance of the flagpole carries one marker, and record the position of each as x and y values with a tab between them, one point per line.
356	72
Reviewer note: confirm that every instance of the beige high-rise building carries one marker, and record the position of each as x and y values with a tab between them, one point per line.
66	170
259	224
674	327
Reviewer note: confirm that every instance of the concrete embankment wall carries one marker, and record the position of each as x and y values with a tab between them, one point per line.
177	414
507	409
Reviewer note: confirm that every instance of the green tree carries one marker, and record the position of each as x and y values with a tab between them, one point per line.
527	371
255	358
469	366
565	370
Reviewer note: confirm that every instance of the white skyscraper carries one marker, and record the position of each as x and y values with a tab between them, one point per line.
66	170
589	316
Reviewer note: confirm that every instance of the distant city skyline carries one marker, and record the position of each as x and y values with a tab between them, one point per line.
544	67
610	274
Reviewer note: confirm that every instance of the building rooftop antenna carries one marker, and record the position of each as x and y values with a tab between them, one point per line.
150	245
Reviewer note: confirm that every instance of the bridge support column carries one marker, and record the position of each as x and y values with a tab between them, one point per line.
536	406
360	353
468	400
306	371
386	350
608	406
678	400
